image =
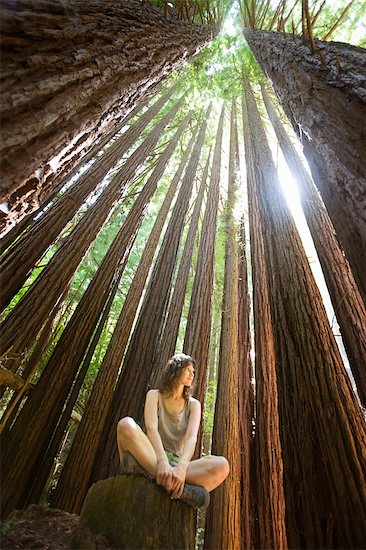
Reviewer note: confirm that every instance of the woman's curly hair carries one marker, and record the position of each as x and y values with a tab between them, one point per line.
172	372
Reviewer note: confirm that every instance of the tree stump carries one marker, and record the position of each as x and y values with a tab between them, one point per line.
134	513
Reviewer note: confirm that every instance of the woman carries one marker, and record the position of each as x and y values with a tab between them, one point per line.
172	419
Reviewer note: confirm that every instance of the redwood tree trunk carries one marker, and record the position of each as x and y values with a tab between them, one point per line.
323	431
85	62
19	261
346	299
224	516
269	492
326	103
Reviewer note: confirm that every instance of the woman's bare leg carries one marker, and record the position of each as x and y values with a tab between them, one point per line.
131	438
208	471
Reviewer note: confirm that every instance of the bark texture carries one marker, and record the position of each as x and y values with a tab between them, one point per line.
138	365
269	492
18	262
326	103
33	309
347	301
323	431
224	516
70	67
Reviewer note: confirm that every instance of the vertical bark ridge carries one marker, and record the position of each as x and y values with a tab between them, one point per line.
19	261
224	516
32	310
323	431
268	451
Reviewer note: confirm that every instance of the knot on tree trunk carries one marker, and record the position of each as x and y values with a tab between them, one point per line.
133	512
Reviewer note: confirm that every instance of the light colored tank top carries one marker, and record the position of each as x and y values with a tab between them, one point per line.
172	427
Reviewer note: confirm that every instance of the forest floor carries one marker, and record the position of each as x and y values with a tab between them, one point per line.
39	528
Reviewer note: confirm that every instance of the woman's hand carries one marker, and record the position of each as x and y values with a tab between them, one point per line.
178	479
164	474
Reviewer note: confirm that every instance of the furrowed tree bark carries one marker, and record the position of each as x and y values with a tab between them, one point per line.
85	62
246	393
19	261
129	395
346	299
32	310
269	489
74	481
51	391
171	329
323	432
25	208
224	516
197	335
325	103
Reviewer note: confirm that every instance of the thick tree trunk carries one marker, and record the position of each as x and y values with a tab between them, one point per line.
85	62
74	480
32	310
224	516
19	261
323	432
171	329
268	459
129	395
198	329
25	208
324	99
347	301
246	394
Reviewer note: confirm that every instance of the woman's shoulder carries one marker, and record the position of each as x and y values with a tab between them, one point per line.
152	394
193	402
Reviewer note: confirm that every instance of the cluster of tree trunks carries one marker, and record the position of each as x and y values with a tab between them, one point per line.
323	96
69	70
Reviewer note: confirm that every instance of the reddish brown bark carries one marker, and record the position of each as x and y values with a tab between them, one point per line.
268	459
347	301
129	395
224	516
322	428
171	329
33	309
85	62
325	103
19	261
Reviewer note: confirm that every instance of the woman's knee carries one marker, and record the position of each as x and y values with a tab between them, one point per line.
126	428
222	467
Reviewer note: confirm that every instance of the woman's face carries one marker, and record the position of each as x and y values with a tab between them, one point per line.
187	375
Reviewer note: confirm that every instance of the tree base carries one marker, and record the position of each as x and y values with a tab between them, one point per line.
134	513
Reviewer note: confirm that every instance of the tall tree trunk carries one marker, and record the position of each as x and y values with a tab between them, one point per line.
129	395
171	329
323	432
346	299
246	393
20	260
32	310
25	208
325	103
224	516
74	480
198	329
269	491
85	62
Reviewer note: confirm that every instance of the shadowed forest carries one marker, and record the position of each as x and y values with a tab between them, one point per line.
187	176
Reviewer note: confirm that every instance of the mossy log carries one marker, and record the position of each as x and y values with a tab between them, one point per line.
135	513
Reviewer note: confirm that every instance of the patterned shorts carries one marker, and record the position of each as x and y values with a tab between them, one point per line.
173	458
